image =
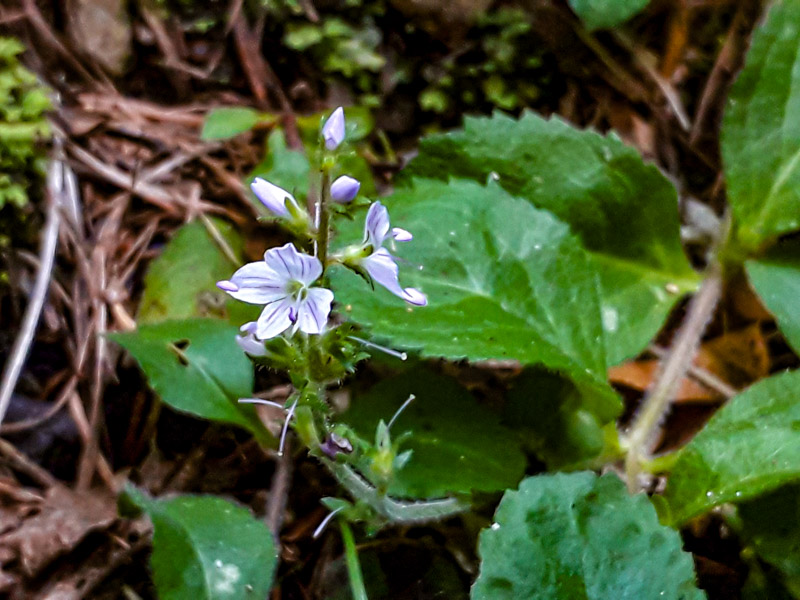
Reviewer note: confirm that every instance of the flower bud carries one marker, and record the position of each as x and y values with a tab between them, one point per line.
344	189
333	130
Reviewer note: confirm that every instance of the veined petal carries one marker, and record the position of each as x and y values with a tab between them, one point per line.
292	265
312	314
248	342
275	318
382	269
255	283
333	129
272	196
376	226
401	235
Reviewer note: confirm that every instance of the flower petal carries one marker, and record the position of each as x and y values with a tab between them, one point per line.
312	314
275	318
255	283
401	235
272	196
333	130
376	226
292	265
344	189
248	342
382	269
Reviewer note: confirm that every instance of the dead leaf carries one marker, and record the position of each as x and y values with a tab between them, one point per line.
64	519
639	374
101	29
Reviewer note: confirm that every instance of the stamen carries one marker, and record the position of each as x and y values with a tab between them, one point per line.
285	429
389	351
318	531
261	401
411	398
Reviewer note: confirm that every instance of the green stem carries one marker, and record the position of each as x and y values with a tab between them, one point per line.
324	218
353	565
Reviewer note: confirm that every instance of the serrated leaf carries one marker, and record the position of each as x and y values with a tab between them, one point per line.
206	548
761	131
605	14
504	280
583	537
196	366
624	211
776	279
180	283
458	445
227	122
770	524
749	447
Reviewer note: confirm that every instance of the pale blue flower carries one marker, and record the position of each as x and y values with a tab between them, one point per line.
333	129
275	198
282	282
248	341
380	265
344	189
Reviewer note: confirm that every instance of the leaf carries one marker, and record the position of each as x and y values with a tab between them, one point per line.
196	366
229	121
583	537
206	548
624	211
761	131
458	445
749	447
770	523
605	14
776	279
504	280
180	283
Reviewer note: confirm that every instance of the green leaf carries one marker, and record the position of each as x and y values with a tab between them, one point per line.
180	283
503	279
282	166
771	525
761	131
749	447
578	536
605	14
196	366
206	548
776	278
228	122
624	211
458	445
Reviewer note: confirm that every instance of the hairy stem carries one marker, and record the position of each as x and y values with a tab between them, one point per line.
323	218
642	433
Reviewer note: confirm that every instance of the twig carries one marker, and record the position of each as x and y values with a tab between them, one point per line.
640	436
47	253
25	465
63	398
279	493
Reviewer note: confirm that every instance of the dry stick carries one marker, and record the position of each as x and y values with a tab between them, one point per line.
47	254
279	493
646	424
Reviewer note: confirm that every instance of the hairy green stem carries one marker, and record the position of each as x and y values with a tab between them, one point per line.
323	218
393	510
353	565
642	433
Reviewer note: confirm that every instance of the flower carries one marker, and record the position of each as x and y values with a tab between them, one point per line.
333	129
380	265
274	198
248	341
344	189
282	282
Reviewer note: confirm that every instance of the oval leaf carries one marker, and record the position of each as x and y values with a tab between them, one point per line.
604	14
579	536
227	122
205	548
749	447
